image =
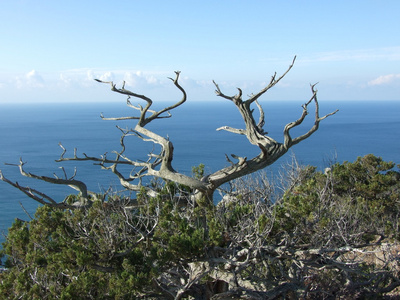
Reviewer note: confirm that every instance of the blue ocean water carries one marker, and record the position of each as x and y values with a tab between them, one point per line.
34	131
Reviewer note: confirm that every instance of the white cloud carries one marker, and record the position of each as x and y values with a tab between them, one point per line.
65	79
107	76
33	76
152	80
133	79
104	76
384	79
30	79
140	79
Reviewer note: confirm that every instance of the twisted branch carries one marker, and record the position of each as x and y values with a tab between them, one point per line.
42	197
271	150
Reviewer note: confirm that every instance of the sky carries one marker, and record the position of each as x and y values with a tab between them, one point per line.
50	51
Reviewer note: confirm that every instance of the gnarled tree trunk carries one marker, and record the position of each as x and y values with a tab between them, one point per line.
160	164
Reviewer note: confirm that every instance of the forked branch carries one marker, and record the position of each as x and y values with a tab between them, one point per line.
289	142
253	97
143	118
271	150
159	165
42	197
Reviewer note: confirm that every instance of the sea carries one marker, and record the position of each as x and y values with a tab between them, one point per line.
32	133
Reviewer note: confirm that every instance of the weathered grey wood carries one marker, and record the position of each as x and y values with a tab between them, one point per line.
160	164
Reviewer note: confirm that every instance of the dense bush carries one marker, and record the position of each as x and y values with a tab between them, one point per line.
350	204
314	242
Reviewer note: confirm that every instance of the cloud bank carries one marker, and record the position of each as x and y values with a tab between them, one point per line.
75	84
31	79
385	79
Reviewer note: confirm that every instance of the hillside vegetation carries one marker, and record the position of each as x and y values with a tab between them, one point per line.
327	236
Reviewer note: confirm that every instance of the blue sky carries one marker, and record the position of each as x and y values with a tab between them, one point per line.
52	50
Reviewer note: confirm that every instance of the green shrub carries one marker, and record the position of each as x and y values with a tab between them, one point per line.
109	251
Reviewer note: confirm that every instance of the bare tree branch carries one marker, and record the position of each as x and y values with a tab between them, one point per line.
271	150
159	165
288	139
34	194
271	84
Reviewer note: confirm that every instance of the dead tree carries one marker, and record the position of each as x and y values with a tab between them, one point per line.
159	165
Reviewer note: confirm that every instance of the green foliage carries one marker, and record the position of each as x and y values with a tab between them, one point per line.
237	211
110	251
198	172
91	252
363	195
70	254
